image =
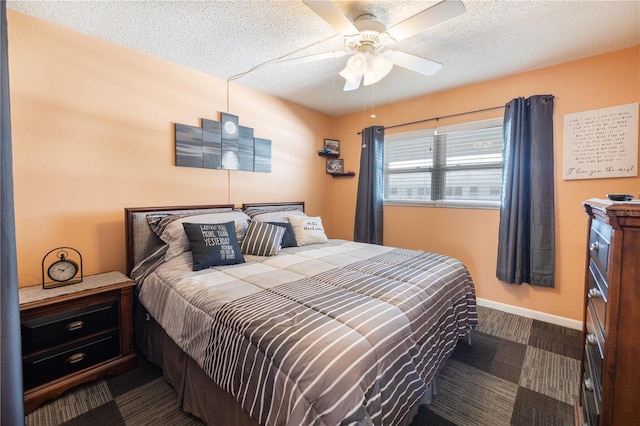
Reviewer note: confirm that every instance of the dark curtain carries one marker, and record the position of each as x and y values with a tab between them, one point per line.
368	226
526	242
12	412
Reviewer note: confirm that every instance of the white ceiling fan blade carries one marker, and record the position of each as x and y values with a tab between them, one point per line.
328	11
352	85
429	17
412	62
316	57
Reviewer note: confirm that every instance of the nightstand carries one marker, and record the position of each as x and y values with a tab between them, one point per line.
75	334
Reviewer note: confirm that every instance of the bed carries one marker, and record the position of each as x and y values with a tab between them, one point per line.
305	330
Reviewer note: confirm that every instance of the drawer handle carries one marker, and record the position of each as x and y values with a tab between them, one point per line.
594	293
595	246
76	325
588	385
592	339
75	358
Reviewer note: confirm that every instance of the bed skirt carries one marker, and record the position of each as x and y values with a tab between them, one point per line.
197	394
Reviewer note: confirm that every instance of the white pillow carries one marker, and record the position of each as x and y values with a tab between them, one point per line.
308	229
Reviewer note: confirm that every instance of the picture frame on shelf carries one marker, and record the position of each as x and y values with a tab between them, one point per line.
335	165
332	146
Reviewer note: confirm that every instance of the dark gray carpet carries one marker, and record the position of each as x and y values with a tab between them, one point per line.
517	371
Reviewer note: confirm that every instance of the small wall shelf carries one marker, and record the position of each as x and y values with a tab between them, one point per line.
343	174
328	155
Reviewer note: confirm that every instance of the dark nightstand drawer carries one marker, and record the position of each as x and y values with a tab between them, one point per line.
39	333
49	365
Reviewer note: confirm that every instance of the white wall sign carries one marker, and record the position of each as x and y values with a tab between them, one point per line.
601	143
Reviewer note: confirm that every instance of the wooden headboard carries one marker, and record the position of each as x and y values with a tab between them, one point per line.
141	241
296	205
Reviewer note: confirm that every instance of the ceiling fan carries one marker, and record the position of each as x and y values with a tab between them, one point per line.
366	39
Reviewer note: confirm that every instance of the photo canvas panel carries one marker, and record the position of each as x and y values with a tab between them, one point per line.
262	156
211	144
230	140
188	146
245	148
333	146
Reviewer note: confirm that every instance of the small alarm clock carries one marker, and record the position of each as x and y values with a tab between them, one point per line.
63	266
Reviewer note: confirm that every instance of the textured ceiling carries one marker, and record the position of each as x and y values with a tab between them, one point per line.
241	40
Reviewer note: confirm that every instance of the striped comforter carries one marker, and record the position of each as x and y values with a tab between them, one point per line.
326	334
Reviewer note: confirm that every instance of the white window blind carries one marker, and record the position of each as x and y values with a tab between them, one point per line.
455	165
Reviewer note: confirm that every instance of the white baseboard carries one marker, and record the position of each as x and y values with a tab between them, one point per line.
529	313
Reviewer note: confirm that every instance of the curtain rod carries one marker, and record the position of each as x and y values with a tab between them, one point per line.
438	118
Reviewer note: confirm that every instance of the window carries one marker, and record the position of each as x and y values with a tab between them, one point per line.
454	166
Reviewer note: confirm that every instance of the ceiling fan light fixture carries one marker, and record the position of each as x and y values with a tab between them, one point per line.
377	69
357	64
352	85
349	76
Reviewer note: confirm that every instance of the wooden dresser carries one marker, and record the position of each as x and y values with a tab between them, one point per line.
610	391
74	334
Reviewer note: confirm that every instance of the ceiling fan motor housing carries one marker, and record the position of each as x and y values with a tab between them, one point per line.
371	34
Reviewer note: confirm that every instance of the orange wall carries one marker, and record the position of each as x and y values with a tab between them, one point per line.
93	134
92	126
471	235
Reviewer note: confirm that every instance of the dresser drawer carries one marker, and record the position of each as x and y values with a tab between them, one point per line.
49	365
591	393
589	408
597	295
42	332
594	344
599	242
591	366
